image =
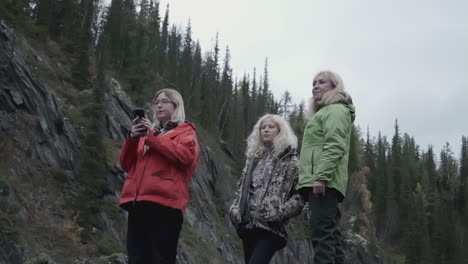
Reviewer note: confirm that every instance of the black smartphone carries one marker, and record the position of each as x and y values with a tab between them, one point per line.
138	112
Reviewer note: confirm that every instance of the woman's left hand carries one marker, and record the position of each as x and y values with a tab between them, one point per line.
276	217
319	188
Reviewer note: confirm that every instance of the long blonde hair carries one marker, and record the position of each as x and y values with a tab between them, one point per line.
281	142
335	95
178	115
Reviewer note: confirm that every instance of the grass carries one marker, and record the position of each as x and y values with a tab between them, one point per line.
113	149
10	222
391	256
193	243
113	258
191	238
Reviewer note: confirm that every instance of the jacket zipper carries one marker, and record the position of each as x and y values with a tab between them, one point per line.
312	163
249	170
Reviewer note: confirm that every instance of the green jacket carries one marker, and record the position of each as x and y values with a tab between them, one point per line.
325	147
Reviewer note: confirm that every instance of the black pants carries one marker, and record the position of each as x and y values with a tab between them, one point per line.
260	246
325	217
153	233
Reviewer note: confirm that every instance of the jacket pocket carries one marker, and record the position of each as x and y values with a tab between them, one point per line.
161	186
163	176
270	211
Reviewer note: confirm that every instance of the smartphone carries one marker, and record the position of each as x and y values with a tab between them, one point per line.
138	112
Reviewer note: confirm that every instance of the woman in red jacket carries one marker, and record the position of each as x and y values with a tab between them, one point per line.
160	160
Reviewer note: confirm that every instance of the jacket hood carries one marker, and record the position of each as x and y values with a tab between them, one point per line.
288	150
338	97
192	125
352	111
173	124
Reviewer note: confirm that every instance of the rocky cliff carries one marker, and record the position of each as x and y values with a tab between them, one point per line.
41	148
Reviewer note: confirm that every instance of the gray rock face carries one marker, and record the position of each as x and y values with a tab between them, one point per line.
119	107
296	251
40	149
9	253
47	135
359	250
41	259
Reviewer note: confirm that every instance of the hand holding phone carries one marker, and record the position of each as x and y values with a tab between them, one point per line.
141	125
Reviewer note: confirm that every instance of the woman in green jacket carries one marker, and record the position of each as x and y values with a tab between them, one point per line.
323	172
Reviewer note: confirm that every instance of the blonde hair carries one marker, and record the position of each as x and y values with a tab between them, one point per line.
178	115
330	97
281	142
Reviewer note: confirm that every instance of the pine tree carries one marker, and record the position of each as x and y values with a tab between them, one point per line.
443	222
380	176
301	122
185	68
354	160
224	127
462	203
238	142
430	171
395	159
70	34
443	236
80	70
254	96
195	94
92	170
162	49
209	86
114	33
418	249
173	54
409	177
447	169
43	14
264	95
18	12
143	17
386	211
285	105
154	36
216	60
369	157
298	122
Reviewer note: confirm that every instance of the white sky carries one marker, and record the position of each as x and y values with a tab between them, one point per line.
405	59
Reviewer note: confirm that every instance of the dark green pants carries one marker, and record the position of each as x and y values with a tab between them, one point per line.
324	219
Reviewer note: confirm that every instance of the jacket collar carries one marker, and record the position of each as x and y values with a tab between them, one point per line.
288	151
179	129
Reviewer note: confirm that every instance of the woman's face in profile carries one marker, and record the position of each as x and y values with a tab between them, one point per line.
268	131
321	85
163	107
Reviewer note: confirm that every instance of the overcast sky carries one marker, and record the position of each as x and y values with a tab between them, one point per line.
402	59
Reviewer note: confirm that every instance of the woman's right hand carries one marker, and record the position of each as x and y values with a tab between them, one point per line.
139	129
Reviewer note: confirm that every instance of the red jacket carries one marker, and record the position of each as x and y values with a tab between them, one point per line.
161	174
